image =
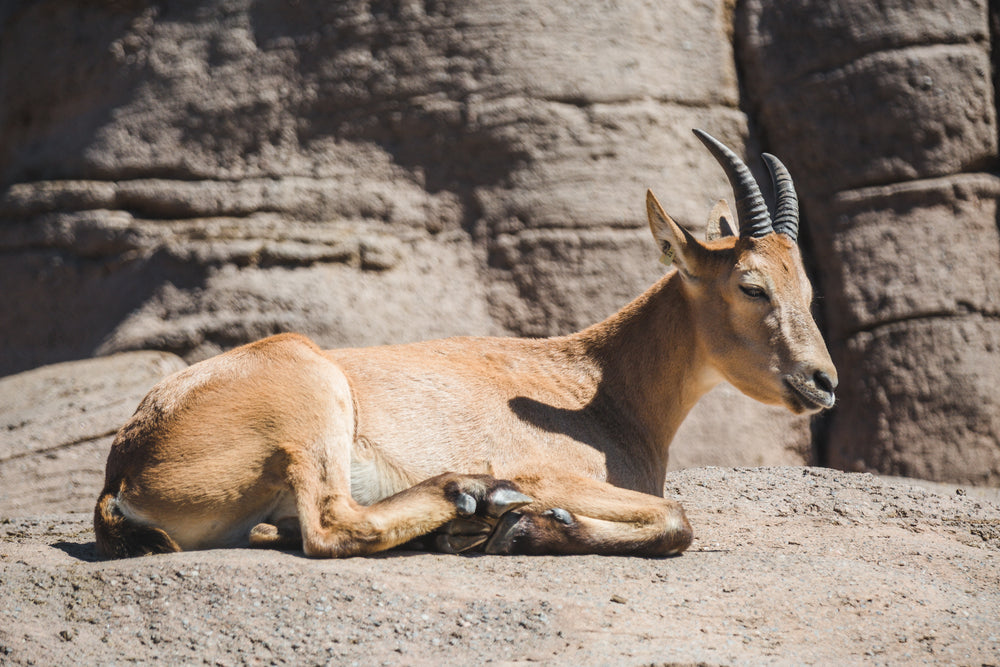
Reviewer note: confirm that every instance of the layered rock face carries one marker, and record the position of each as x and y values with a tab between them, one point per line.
58	422
188	176
886	113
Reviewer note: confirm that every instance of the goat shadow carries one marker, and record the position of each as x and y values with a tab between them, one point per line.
86	552
592	431
600	429
82	551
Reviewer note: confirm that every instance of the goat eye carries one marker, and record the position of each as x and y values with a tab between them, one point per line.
753	291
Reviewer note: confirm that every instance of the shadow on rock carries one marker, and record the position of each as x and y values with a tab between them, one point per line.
85	551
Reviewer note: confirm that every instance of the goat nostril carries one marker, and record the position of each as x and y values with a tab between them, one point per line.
824	382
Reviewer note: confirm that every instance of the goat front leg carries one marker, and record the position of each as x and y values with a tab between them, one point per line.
333	525
579	515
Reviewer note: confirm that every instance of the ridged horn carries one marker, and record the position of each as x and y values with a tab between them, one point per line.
786	205
751	209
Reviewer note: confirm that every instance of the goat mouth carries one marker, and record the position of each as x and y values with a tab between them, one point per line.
809	396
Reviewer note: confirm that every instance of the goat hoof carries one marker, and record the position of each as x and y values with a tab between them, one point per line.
461	535
481	495
282	534
503	500
504	534
465	504
263	534
560	515
456	544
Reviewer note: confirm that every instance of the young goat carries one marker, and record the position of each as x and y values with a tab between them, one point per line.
503	445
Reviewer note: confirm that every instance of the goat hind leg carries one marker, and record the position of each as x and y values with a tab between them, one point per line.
337	526
578	515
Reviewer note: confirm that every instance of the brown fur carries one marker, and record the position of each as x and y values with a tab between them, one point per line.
346	452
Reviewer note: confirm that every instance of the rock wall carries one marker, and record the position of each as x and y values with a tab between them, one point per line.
886	112
187	176
58	422
195	175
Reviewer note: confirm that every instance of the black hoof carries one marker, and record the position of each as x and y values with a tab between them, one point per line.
465	504
560	515
504	500
461	535
504	534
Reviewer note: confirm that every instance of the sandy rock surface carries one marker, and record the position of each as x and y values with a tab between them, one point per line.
790	566
58	422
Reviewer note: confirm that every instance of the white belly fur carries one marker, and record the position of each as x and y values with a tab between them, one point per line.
373	477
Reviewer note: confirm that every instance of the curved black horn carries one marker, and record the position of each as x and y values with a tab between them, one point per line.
786	205
751	209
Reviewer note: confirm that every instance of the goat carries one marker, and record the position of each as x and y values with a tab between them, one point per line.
502	445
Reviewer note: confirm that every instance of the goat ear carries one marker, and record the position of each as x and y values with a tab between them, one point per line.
720	222
678	246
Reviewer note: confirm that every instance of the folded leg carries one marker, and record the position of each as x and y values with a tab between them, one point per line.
334	525
579	515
